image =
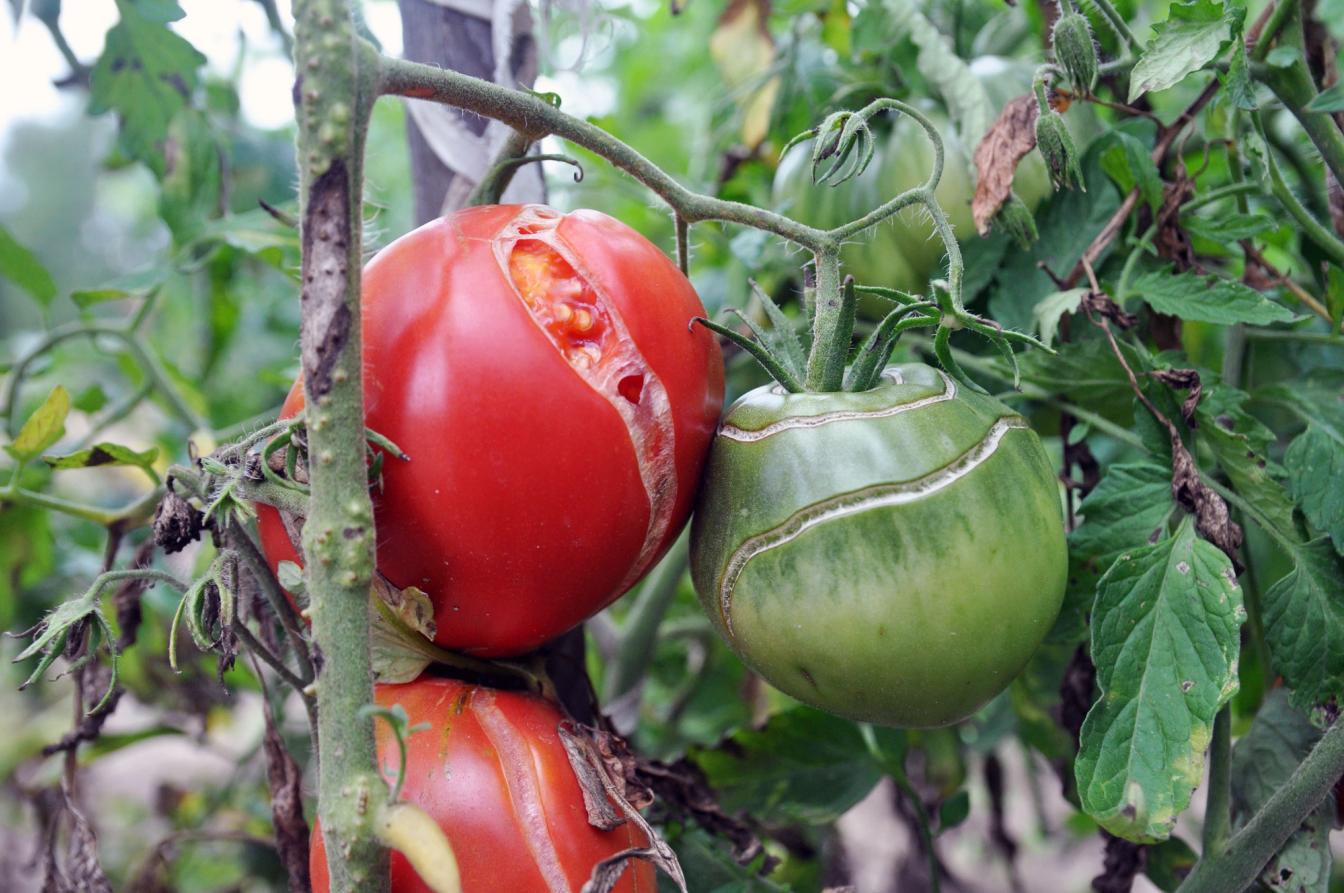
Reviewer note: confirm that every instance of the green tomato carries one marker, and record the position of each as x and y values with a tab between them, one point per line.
893	556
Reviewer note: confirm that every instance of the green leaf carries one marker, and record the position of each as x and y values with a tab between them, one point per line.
1304	624
1329	101
709	866
1282	56
1165	639
146	74
803	766
1208	299
1237	84
1241	443
1166	864
1226	228
104	454
1265	757
1129	163
134	285
1129	505
954	810
1188	40
1334	295
258	234
1052	308
91	399
21	266
192	176
1315	464
44	427
967	101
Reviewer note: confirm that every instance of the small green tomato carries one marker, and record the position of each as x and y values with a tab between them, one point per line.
893	556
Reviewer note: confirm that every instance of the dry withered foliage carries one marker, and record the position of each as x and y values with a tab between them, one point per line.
284	777
1008	140
1183	380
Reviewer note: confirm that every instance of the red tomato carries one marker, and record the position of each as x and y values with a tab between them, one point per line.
540	371
493	773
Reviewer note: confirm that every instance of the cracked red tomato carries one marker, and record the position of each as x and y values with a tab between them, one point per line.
492	771
540	371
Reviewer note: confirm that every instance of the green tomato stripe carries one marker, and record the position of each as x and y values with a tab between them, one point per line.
742	435
869	498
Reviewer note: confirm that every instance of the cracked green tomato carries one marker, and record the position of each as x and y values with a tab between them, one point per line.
893	556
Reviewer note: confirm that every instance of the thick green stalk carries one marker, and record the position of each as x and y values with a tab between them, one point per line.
1217	810
1247	852
1294	86
336	74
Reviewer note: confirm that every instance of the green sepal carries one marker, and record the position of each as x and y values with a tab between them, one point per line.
876	349
780	374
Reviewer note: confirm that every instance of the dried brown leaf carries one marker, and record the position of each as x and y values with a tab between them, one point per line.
1008	140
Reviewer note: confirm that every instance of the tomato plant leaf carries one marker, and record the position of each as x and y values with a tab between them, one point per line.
1049	310
1330	101
1067	223
21	266
1237	84
1304	624
1225	228
1129	505
134	285
966	99
1241	443
260	235
1129	163
44	427
1315	464
1262	761
192	179
1188	40
1165	640
146	74
1166	864
744	53
1207	298
104	454
802	766
708	866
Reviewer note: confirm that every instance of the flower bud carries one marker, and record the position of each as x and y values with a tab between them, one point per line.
1076	51
1014	219
1057	148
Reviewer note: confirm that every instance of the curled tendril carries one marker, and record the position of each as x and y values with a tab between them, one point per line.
400	723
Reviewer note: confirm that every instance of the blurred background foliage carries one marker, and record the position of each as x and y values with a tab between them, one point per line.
711	94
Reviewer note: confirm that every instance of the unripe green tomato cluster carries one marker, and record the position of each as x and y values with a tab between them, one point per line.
893	556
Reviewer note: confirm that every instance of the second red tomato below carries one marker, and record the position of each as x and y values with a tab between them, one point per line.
540	371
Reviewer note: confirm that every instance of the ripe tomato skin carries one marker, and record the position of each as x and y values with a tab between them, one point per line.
893	556
492	771
527	503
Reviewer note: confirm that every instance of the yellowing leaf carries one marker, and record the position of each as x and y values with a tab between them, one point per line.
744	53
44	427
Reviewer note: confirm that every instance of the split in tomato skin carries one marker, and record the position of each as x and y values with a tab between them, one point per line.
492	771
540	371
893	556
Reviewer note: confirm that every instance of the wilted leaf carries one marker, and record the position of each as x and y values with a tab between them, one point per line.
1007	141
104	454
1165	640
401	631
44	427
21	266
1207	298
